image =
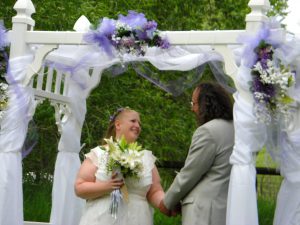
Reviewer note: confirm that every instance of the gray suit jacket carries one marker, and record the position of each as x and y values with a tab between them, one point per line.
202	184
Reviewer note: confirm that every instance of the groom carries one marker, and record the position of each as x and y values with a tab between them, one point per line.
201	186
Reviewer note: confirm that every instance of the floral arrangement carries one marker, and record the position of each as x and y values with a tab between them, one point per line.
270	83
3	65
126	159
129	34
268	56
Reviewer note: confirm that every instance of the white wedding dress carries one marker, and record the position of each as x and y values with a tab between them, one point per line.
137	211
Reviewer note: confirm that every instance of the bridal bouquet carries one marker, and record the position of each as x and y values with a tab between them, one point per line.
129	34
125	159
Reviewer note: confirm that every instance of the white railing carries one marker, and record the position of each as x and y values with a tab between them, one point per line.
51	84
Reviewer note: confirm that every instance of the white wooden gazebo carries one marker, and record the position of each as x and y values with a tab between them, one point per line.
31	81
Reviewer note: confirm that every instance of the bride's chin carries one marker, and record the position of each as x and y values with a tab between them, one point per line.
134	138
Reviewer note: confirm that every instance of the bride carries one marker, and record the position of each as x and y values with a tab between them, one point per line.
94	184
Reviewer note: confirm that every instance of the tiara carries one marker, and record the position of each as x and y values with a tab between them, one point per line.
116	113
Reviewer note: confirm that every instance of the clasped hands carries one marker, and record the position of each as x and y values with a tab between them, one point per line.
163	209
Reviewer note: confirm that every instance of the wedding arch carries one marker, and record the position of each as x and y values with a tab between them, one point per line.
62	67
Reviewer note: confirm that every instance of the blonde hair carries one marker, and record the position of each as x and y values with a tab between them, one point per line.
111	130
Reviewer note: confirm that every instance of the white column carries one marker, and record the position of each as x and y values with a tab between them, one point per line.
22	23
257	15
19	113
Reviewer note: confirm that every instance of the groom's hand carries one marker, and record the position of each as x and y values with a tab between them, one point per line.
163	209
176	210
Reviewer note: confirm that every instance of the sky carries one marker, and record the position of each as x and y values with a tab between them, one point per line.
293	18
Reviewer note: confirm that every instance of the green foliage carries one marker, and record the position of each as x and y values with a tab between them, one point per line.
169	14
161	219
278	8
43	131
266	209
37	201
7	12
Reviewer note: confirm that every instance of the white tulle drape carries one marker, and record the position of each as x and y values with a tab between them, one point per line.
181	58
66	207
288	199
249	138
12	135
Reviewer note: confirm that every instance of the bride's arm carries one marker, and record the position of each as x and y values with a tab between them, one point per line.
156	192
86	185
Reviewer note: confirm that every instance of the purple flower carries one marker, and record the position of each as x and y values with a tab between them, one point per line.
141	35
133	19
270	90
257	85
127	42
150	27
264	55
251	42
164	43
147	31
264	63
113	117
131	36
267	89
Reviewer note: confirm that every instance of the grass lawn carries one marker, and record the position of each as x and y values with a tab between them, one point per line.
37	206
263	159
37	197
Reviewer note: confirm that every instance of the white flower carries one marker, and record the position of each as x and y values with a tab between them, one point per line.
126	157
3	97
120	25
